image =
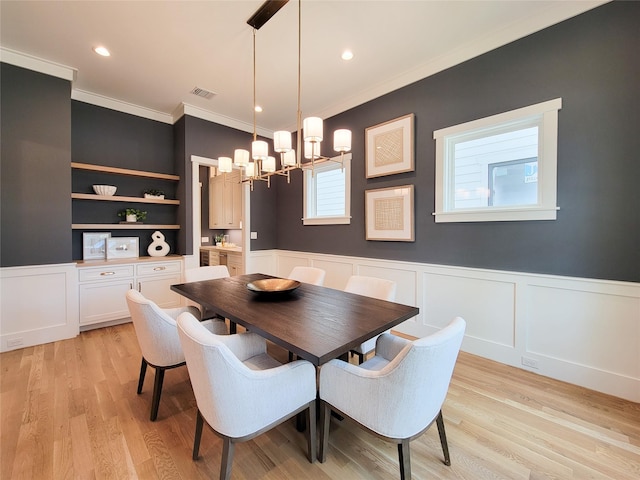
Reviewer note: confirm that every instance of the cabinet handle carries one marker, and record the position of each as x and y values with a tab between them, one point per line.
130	286
139	287
104	274
159	268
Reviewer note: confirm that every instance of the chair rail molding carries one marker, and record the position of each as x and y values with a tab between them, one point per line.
579	330
39	305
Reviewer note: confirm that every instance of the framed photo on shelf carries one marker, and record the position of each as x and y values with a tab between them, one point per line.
94	245
122	247
389	214
389	147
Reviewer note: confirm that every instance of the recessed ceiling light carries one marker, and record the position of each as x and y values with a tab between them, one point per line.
102	51
347	55
258	108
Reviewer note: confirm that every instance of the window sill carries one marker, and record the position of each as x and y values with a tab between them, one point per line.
497	215
327	221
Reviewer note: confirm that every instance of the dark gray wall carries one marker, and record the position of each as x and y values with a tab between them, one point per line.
107	137
207	139
35	173
593	63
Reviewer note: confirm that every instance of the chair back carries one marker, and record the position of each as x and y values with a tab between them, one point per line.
421	372
211	272
156	331
225	388
312	275
372	287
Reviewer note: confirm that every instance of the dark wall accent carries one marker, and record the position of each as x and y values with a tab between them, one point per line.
207	139
107	137
591	61
35	171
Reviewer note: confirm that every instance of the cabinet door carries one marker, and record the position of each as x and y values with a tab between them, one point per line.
236	202
216	202
158	290
104	301
234	264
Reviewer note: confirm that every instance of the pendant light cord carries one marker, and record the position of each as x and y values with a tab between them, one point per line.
255	136
299	113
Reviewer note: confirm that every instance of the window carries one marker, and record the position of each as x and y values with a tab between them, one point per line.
499	168
327	193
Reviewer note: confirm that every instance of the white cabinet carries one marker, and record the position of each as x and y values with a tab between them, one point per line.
225	201
102	288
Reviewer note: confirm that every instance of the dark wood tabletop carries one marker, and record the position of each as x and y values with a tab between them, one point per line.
315	323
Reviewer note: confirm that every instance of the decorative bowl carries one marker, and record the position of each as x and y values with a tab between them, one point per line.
273	285
104	189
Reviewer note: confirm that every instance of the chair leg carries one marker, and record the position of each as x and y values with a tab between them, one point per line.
157	390
360	358
198	435
227	458
143	370
290	357
443	438
404	456
312	449
325	420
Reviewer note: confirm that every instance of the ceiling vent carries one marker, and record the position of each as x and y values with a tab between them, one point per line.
201	92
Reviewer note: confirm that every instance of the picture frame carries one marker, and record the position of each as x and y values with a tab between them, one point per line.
94	245
389	214
122	247
389	147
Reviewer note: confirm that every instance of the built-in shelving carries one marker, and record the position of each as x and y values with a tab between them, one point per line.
119	198
124	171
122	226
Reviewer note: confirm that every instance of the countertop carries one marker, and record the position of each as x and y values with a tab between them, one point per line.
221	249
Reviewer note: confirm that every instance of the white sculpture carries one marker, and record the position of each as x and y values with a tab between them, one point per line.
158	247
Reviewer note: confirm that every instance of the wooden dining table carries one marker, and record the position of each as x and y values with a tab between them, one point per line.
315	323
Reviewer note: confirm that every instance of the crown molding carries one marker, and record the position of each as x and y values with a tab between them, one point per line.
120	106
36	64
186	109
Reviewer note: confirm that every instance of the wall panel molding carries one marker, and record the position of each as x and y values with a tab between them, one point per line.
578	330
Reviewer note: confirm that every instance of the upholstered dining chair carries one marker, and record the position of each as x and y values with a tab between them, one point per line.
158	339
312	275
210	272
371	287
242	392
398	393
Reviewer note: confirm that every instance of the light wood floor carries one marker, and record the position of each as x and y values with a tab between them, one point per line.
69	409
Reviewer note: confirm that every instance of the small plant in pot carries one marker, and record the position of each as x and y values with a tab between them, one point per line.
153	193
132	215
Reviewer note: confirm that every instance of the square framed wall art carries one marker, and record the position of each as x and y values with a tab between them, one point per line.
389	147
389	214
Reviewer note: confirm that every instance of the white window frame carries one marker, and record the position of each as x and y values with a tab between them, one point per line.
309	192
546	114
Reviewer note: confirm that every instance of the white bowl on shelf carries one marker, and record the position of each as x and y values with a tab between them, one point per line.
107	190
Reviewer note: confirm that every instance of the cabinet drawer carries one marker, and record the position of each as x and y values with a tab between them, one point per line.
158	268
105	273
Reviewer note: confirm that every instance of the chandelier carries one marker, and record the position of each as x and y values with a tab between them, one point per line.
258	165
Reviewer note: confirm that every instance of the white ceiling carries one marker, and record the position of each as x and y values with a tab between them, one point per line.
161	50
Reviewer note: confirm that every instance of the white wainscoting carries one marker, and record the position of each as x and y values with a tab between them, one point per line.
39	304
582	331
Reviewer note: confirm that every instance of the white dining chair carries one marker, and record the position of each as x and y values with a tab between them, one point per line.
241	391
374	287
312	275
398	393
210	272
158	339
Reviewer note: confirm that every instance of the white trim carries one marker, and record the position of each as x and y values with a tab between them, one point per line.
332	163
120	106
186	109
37	64
546	208
579	330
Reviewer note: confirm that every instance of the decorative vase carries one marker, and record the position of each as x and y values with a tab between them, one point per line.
132	218
158	247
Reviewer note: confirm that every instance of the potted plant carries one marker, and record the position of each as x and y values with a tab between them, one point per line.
133	215
218	239
153	193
